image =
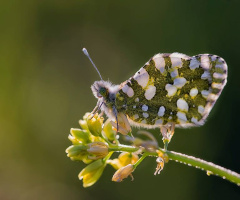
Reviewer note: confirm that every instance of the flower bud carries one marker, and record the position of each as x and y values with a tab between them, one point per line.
92	173
73	139
82	136
126	158
83	124
123	160
123	173
75	150
123	124
98	149
108	131
83	156
95	124
115	163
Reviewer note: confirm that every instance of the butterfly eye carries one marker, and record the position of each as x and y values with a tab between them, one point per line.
103	92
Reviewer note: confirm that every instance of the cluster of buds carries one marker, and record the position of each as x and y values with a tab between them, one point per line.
96	141
87	145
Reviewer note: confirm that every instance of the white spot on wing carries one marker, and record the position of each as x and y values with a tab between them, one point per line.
134	106
144	107
144	121
213	58
182	104
213	97
161	111
142	78
181	117
194	63
206	75
145	115
179	82
150	92
159	62
159	122
178	55
205	93
171	89
128	90
217	85
135	116
219	76
193	92
194	120
176	61
219	66
174	73
201	109
137	99
205	61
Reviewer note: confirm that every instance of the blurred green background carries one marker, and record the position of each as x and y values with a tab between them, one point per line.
45	84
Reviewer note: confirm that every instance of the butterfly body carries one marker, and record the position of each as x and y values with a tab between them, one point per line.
169	88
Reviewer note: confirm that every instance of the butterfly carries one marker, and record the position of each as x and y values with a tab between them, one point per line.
170	90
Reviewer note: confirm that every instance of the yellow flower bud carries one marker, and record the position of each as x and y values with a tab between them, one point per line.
123	173
73	139
123	159
82	136
95	124
115	163
75	150
92	173
98	149
83	124
126	158
123	124
108	131
78	152
83	156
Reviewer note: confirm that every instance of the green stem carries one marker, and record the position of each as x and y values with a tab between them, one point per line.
140	160
108	156
121	147
209	167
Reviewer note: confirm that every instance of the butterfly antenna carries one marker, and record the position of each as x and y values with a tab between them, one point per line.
87	54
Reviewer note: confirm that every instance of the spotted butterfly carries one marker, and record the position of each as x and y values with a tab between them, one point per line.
169	90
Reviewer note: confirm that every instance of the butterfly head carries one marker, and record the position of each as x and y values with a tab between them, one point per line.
100	89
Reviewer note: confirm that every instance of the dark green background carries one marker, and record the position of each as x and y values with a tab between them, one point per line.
45	89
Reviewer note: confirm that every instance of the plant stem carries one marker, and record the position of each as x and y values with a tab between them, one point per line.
204	165
107	157
140	160
121	147
209	167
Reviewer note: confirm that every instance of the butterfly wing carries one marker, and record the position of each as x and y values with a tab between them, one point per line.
173	88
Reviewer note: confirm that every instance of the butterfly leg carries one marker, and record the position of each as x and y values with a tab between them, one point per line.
115	114
96	109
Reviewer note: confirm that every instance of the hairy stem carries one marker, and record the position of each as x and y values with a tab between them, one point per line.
209	167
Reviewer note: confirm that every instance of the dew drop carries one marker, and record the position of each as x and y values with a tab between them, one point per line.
209	173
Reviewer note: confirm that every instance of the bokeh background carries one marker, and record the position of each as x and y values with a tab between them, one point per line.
45	89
